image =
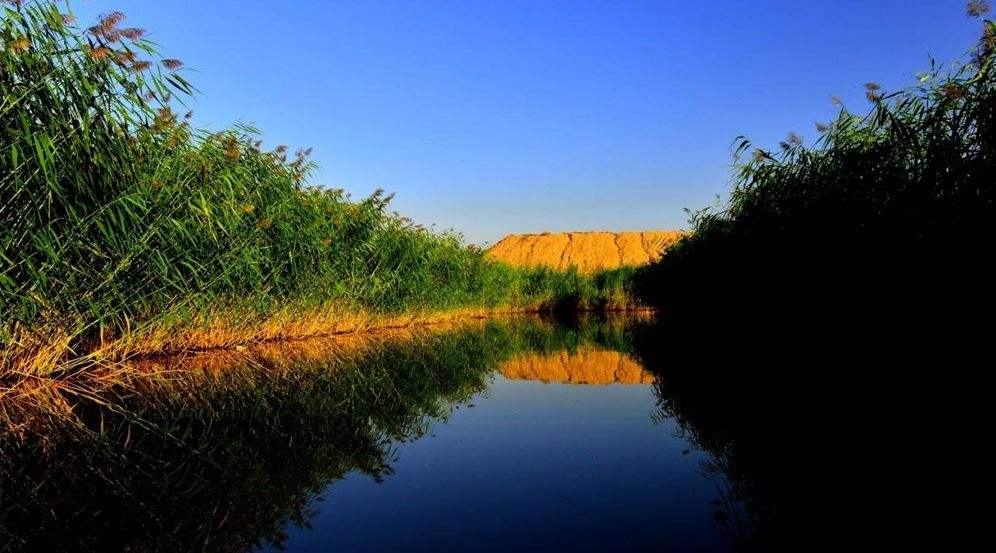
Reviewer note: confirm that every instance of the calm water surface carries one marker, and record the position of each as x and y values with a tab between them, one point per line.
517	435
530	466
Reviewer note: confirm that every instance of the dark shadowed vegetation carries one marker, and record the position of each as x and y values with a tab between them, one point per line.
891	210
833	317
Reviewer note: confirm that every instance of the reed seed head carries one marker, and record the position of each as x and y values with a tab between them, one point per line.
133	33
977	8
953	91
111	20
19	45
99	53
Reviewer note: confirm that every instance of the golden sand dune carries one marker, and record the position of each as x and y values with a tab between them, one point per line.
585	366
588	251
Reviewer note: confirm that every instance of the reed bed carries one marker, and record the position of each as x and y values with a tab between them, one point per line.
125	230
891	211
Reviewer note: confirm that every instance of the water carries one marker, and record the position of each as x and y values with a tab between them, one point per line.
532	466
499	436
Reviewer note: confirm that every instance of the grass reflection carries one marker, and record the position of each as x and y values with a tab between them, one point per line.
221	451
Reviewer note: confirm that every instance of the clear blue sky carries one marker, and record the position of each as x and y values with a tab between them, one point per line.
497	117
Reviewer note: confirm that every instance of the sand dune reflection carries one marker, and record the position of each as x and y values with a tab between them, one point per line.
584	366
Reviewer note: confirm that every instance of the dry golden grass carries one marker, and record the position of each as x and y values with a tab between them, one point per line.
588	251
225	332
30	402
39	354
42	380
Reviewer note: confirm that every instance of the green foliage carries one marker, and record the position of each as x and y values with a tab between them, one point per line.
117	214
74	116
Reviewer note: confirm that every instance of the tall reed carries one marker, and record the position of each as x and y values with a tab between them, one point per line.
124	228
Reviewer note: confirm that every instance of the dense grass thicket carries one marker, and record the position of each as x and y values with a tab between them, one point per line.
120	219
897	207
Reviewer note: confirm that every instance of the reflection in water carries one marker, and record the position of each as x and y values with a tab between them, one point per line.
822	436
277	446
228	451
584	366
221	452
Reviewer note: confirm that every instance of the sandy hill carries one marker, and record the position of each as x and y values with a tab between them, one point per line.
589	251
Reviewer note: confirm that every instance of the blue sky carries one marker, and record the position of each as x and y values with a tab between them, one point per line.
499	117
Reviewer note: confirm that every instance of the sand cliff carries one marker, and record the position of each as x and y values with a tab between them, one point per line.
588	251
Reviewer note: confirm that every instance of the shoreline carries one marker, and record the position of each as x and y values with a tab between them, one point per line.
28	400
432	319
219	337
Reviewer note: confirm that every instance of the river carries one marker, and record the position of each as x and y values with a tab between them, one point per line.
511	435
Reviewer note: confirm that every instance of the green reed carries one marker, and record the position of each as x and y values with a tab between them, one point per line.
119	217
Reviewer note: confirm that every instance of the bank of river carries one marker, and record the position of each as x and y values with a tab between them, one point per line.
495	435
